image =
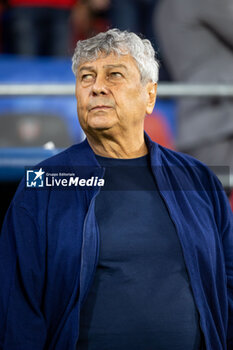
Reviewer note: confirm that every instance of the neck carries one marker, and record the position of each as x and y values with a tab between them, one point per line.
123	145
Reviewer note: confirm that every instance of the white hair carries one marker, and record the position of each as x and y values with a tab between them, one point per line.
120	43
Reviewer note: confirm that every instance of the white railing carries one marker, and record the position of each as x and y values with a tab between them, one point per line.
165	90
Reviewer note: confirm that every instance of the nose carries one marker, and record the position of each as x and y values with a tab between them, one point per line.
99	87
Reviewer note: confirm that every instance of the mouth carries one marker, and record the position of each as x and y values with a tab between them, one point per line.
100	107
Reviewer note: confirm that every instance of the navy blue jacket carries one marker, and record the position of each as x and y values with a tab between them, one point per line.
49	251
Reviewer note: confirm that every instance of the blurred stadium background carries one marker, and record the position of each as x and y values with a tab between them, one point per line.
37	39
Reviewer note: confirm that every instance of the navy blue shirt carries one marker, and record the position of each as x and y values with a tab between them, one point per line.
141	297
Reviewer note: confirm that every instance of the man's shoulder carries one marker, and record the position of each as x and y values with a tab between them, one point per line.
193	180
193	172
174	157
166	157
75	153
63	161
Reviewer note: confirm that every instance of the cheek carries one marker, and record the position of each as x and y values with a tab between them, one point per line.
81	109
81	102
126	97
135	99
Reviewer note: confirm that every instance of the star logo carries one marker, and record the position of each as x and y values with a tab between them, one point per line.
38	174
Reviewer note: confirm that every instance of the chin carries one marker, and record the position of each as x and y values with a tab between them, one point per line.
100	127
99	124
101	120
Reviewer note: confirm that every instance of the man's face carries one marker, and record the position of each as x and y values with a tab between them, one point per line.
110	95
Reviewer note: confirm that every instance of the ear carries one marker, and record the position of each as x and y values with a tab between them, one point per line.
151	93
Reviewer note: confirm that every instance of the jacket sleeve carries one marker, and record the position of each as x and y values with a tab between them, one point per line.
228	253
22	271
225	223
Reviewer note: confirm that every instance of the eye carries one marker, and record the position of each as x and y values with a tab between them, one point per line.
116	75
87	77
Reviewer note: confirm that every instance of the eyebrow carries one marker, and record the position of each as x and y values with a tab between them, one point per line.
90	68
115	66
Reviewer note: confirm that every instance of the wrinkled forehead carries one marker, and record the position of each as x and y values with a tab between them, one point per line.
94	55
112	58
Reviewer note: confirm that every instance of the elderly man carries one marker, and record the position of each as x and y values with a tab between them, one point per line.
143	262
